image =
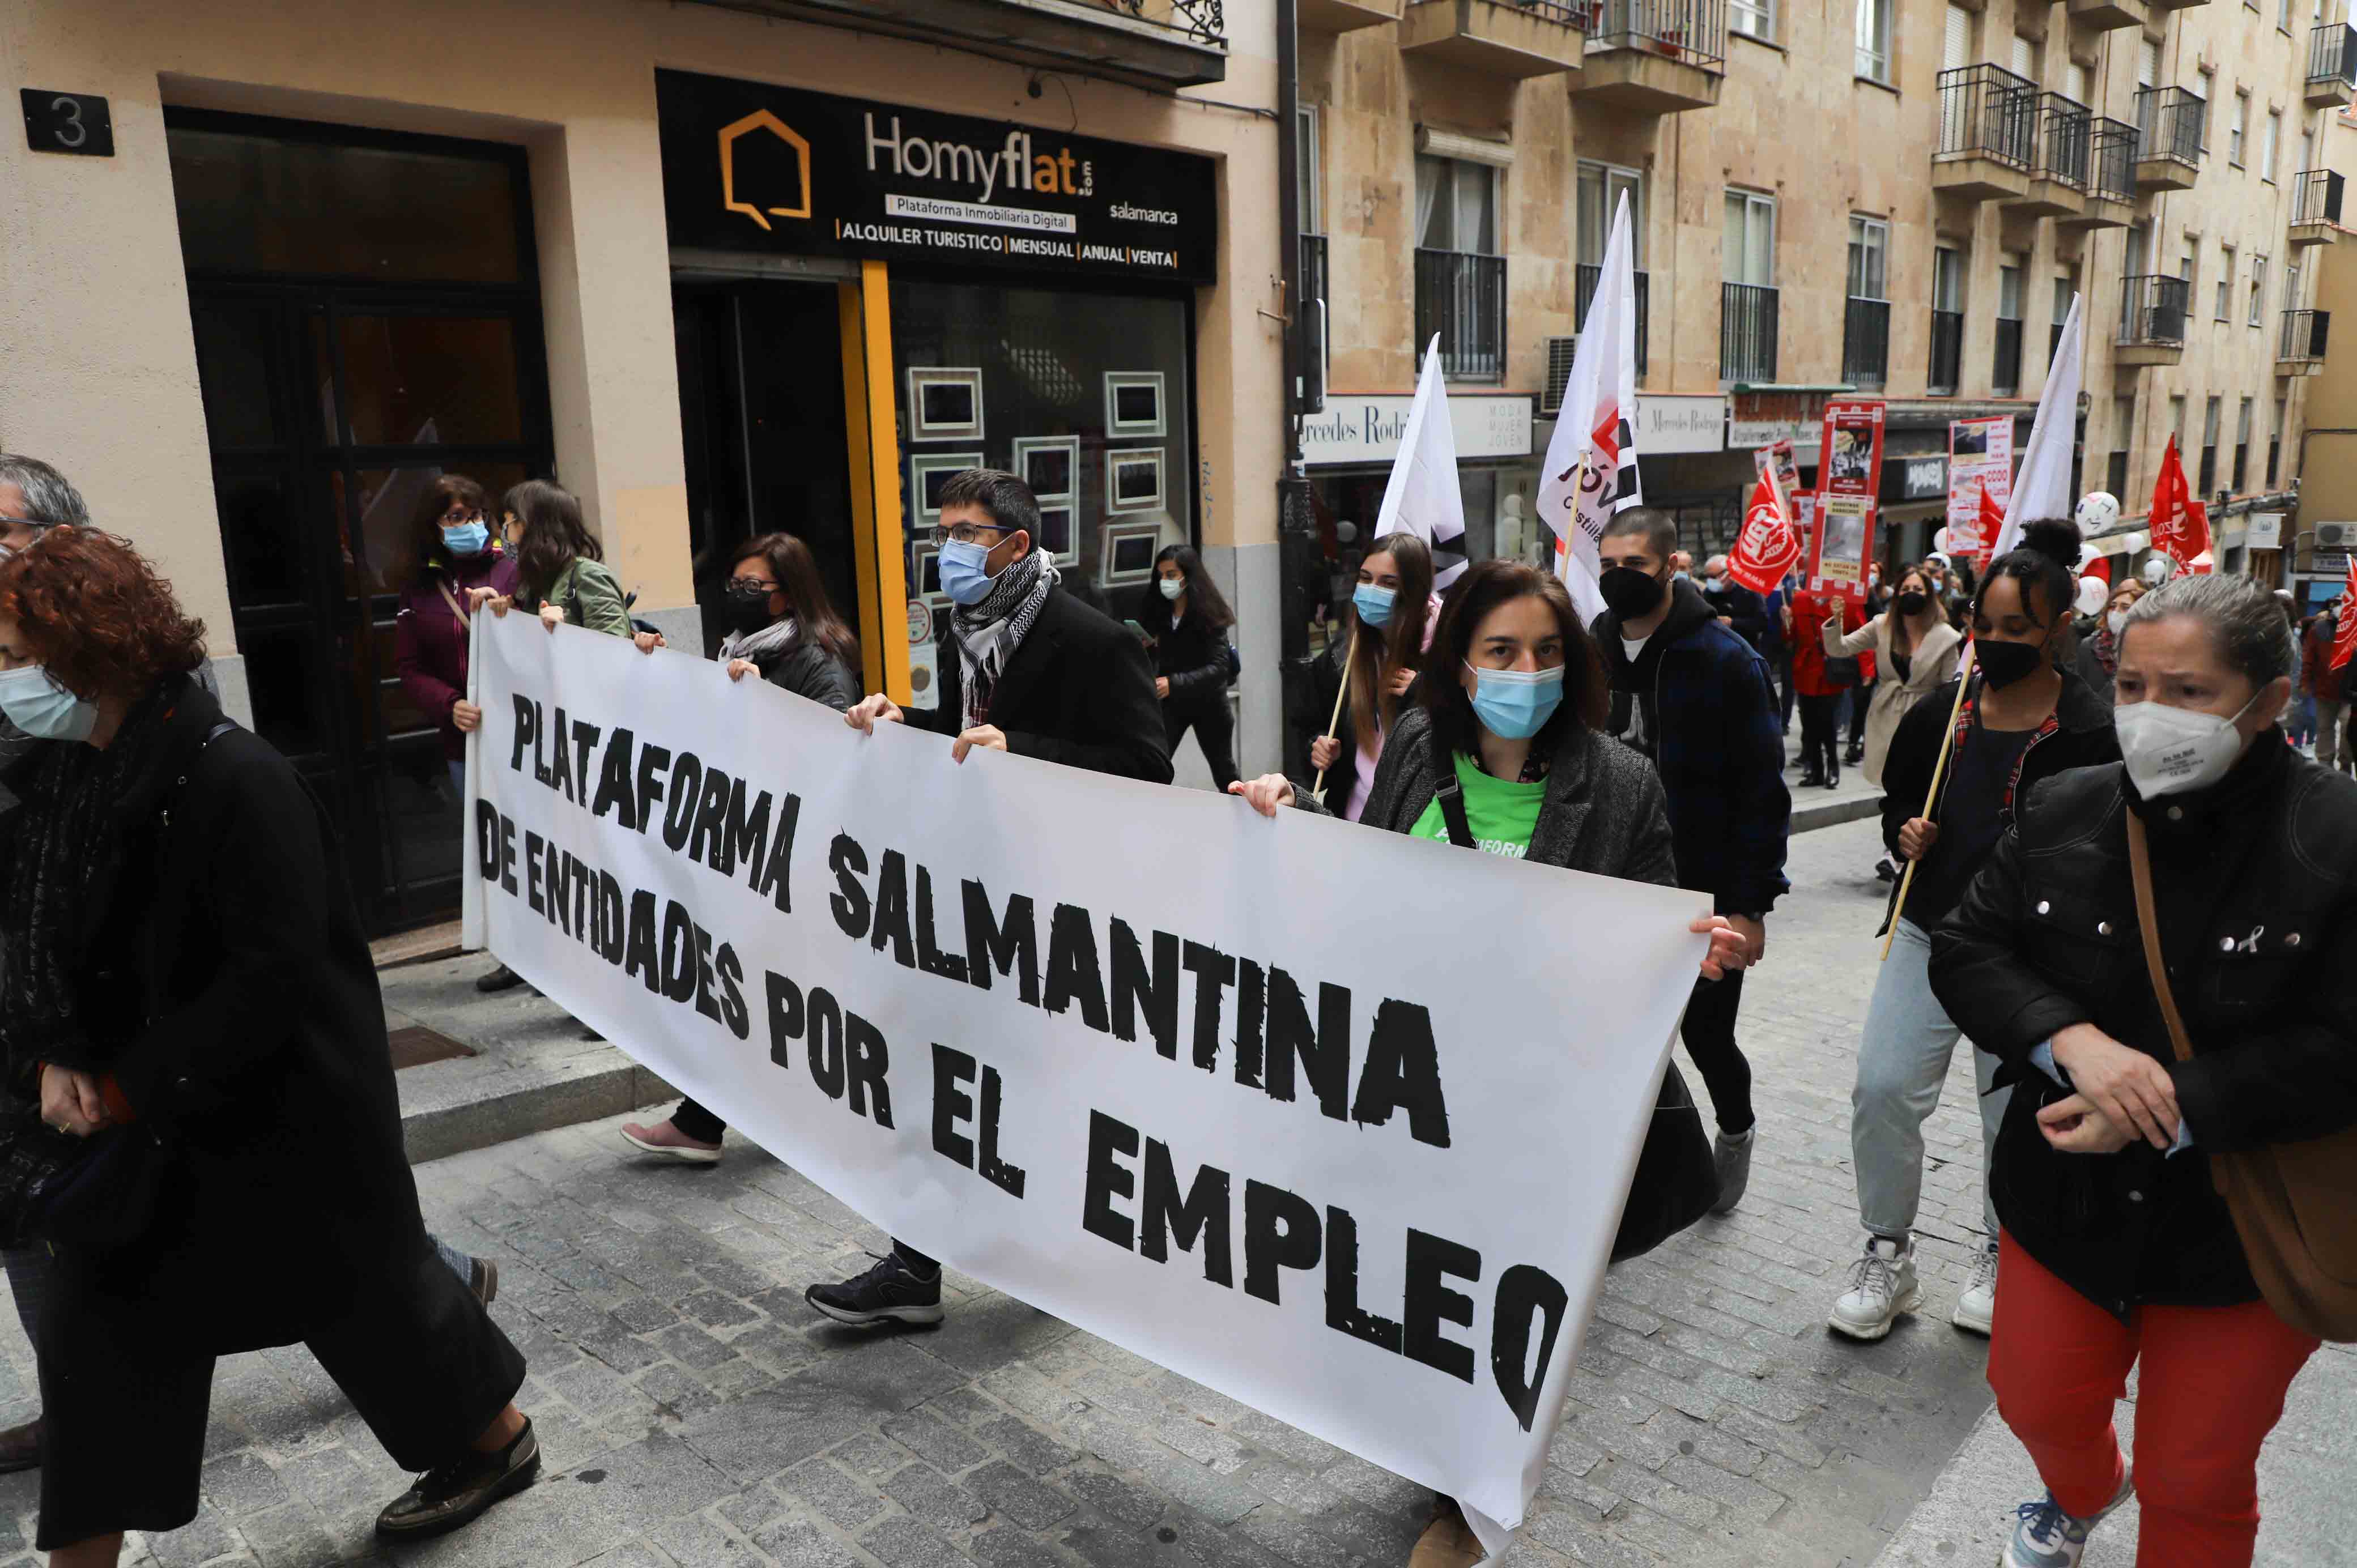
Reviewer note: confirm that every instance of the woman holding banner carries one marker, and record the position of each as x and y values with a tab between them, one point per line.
2025	718
2160	955
1364	677
1914	652
1507	757
779	625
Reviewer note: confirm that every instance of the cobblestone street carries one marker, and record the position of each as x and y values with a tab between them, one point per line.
692	1408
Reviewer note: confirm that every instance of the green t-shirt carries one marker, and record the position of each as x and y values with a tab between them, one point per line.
1502	815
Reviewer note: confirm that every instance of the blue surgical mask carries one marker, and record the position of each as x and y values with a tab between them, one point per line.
1515	704
965	574
37	704
468	540
1373	604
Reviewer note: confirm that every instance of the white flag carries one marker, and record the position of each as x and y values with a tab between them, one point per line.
1596	427
2042	486
1422	497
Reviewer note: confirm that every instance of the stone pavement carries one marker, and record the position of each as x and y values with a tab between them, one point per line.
695	1412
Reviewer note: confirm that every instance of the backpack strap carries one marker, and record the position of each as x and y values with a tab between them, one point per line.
1451	795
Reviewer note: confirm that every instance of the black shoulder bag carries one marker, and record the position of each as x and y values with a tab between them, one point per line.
1676	1180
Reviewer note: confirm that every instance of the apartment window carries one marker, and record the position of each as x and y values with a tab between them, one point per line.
1947	321
2258	289
1748	299
1460	278
2275	444
2025	58
1754	18
1602	187
2066	287
1874	40
2242	444
2116	467
2291	283
2306	151
2209	94
1751	249
2187	266
1956	38
1455	206
2209	448
1308	206
1865	321
2005	376
2225	310
2283	15
2270	148
2236	133
2074	84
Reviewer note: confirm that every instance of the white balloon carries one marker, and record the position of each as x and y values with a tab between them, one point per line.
1346	531
2156	571
2098	510
1939	542
2093	593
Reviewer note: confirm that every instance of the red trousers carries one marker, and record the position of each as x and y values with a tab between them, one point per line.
2212	1389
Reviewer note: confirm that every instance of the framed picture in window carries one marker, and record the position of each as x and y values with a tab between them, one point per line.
1059	534
1134	403
1125	554
1134	479
928	471
925	577
944	405
1050	465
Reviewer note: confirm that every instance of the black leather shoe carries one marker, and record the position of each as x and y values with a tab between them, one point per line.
20	1447
501	979
457	1493
891	1292
1811	779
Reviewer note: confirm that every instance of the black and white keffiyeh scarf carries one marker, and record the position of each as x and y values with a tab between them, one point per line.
989	630
774	638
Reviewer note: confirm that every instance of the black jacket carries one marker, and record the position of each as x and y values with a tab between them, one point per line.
807	670
1191	656
1325	678
2256	885
1077	691
1746	611
2082	737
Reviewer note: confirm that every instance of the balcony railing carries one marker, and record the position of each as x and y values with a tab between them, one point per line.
2317	197
2152	310
1313	323
1987	111
2169	124
1463	299
2112	161
1866	343
2066	146
1586	278
1947	353
2005	370
1694	31
2304	332
1747	333
2332	55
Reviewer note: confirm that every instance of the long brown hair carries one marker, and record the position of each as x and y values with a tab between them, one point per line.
554	534
1587	697
426	530
101	619
1377	655
789	561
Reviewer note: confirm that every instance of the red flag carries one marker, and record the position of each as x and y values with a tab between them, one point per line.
2180	526
2344	639
1991	525
1768	546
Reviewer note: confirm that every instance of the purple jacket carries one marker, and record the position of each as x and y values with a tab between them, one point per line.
430	642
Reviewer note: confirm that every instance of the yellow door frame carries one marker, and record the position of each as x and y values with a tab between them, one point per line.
863	312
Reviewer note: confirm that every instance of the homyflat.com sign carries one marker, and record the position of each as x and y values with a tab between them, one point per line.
1102	1044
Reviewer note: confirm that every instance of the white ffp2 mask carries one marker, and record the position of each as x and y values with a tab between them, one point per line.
2170	751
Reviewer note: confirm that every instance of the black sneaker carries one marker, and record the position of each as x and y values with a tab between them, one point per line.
457	1493
501	979
891	1292
483	1279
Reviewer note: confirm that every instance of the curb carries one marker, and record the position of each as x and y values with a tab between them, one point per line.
1834	813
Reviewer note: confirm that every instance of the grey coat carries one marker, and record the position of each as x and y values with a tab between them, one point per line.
1604	810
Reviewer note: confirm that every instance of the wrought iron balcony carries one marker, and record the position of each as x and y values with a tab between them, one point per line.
1510	38
1313	323
1654	57
1947	361
1584	279
1866	343
1746	334
2111	177
2170	126
2331	65
2299	351
1988	134
2152	320
2063	163
2315	207
1160	43
1463	299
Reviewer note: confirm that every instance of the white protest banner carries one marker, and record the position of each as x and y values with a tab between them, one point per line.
1102	1044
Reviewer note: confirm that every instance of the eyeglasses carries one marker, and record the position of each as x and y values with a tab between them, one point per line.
966	533
460	516
752	585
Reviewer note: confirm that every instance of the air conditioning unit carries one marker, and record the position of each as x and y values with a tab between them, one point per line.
2336	536
1559	352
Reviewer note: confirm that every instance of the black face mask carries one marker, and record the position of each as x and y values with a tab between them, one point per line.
1911	603
1629	594
745	610
2003	663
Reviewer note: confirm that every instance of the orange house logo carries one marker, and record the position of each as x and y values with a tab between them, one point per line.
731	135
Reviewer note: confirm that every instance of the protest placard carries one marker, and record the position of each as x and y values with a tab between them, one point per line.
1980	455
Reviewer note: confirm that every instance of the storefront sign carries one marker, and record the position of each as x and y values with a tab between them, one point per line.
1923	477
1849	481
748	166
1666	425
1749	435
1368	429
2266	531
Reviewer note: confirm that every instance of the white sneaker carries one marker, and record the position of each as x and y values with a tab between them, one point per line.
1882	1286
2049	1538
1977	1308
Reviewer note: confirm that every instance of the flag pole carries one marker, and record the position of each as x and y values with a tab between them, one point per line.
1931	797
1334	720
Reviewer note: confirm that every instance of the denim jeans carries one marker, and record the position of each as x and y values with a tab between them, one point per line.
1902	1062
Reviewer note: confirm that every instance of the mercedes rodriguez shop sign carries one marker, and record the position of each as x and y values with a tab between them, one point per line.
752	167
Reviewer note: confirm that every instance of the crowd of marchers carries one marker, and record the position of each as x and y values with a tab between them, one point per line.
2115	869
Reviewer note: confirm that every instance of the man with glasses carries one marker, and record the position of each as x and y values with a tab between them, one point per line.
1027	668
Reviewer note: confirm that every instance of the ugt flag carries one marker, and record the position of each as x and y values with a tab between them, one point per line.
2344	636
2041	487
1422	497
1591	463
1770	545
2180	529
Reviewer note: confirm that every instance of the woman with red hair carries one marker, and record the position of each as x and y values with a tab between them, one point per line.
195	1088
